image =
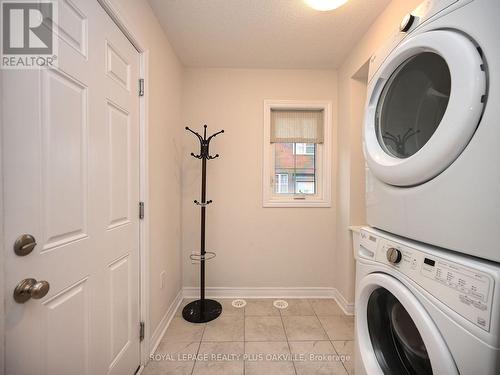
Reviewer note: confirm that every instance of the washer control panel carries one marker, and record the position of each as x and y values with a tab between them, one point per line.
467	291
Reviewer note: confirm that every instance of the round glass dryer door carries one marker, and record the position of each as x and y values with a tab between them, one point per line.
395	338
412	104
424	105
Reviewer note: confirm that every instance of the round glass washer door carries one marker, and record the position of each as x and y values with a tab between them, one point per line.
424	105
395	338
395	334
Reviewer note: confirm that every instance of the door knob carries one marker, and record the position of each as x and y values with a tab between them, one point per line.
30	288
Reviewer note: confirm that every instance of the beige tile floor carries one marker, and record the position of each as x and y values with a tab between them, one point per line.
311	336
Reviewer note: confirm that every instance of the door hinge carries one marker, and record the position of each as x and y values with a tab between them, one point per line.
141	86
141	331
141	210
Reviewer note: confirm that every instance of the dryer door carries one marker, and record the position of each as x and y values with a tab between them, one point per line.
424	105
394	332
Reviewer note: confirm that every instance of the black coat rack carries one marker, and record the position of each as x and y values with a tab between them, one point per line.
203	310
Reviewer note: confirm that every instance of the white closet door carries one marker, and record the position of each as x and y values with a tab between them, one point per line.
71	180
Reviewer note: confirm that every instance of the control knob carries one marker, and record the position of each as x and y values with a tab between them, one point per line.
393	255
407	23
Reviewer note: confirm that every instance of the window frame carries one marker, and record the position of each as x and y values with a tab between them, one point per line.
322	197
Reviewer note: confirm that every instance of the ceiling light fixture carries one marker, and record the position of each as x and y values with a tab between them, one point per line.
325	5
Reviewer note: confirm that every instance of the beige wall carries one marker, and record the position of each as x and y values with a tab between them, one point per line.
256	246
164	152
350	190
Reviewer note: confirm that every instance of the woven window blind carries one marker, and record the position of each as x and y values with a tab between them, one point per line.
297	125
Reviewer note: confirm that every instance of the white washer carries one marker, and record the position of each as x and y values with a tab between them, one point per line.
432	128
423	310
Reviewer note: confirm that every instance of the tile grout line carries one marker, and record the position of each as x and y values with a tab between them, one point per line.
199	347
327	335
288	343
321	324
338	354
197	351
331	341
244	338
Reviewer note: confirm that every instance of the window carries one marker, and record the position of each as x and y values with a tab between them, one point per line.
281	183
297	154
305	184
298	166
304	148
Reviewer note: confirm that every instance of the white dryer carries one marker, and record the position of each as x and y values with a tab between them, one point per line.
432	128
422	310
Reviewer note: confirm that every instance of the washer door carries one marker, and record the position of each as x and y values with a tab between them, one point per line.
424	105
395	333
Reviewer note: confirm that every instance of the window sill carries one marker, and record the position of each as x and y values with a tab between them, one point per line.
307	203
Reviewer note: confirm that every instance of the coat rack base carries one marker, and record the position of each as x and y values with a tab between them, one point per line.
202	311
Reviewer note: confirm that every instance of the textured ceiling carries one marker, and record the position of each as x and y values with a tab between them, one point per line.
263	33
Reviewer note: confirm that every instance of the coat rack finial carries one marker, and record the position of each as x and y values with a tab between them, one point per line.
204	143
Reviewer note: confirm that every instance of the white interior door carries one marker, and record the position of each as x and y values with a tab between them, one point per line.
71	180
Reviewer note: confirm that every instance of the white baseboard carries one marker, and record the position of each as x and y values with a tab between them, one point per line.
164	322
345	305
269	292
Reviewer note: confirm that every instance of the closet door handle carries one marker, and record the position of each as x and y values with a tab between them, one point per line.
30	288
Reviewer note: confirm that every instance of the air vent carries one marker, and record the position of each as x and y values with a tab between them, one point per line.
280	304
239	303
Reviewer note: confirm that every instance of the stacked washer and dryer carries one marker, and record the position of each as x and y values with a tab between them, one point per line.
428	268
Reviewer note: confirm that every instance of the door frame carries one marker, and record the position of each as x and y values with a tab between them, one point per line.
119	19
